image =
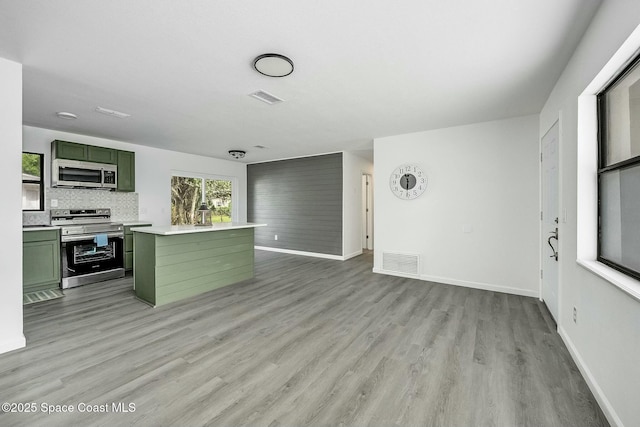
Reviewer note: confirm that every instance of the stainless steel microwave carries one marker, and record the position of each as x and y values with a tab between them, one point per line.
78	174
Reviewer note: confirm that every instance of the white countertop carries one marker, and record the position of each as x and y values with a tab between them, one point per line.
134	223
168	230
39	227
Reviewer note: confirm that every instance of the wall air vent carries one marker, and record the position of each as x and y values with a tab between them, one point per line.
266	97
401	263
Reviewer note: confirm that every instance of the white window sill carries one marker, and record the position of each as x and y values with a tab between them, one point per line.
623	282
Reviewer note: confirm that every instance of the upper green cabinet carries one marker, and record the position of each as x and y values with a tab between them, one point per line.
102	155
126	160
68	150
126	171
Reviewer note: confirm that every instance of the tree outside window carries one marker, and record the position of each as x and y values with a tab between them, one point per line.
218	197
32	186
187	193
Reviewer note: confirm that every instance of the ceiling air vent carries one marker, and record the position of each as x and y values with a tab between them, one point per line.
112	113
266	97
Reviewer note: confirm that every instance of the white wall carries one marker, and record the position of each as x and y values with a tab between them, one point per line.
477	223
605	340
11	335
153	170
353	167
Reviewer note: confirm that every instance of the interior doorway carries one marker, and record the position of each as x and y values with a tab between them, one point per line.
367	212
550	221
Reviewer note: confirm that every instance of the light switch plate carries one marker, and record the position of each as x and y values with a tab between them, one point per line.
54	203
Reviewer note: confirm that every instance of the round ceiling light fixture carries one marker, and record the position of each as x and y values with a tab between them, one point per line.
273	65
237	154
66	116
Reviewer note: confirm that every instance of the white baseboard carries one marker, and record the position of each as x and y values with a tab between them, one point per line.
352	255
12	344
303	253
604	403
395	273
463	283
480	285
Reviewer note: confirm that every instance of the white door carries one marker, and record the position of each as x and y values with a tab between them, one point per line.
550	220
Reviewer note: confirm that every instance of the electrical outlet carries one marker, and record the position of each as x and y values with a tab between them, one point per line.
54	203
575	315
275	237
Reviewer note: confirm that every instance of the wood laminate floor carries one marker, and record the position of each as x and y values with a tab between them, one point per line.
307	342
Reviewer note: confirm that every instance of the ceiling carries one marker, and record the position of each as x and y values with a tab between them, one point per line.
363	69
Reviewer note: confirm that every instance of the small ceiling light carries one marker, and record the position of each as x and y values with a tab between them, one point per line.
66	116
273	65
237	154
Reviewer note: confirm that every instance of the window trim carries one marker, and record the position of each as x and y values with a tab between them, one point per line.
587	167
631	64
40	181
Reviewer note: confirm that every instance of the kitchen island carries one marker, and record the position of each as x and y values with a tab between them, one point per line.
171	263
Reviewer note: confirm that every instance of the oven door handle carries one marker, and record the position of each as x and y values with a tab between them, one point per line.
91	237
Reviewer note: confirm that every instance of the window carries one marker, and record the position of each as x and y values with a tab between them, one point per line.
188	192
619	172
32	185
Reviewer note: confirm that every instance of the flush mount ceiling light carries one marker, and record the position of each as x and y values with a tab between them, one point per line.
112	113
237	154
66	116
273	65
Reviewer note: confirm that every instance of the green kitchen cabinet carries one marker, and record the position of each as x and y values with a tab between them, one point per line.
68	150
169	268
40	260
88	153
102	155
128	245
126	161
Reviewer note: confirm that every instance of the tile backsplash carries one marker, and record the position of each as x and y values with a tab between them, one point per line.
124	206
35	218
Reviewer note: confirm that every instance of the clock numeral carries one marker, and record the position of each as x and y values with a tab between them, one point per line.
408	181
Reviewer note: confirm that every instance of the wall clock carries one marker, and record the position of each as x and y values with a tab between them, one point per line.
408	181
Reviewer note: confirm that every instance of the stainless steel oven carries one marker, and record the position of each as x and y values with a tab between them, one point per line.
92	246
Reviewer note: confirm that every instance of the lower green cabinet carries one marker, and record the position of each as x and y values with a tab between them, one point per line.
169	268
128	245
40	260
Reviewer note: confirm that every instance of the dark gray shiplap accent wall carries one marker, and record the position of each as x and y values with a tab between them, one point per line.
300	200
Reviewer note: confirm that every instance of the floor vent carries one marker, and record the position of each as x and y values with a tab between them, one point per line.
39	296
400	263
